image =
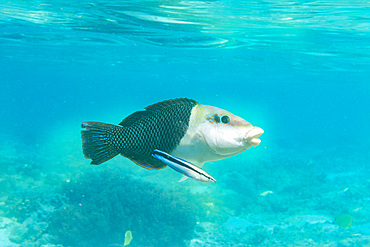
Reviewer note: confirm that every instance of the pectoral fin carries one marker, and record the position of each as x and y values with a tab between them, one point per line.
183	166
183	179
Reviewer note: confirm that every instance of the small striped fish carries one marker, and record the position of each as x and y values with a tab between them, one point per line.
184	167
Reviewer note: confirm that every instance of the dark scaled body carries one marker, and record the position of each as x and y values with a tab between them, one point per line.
161	126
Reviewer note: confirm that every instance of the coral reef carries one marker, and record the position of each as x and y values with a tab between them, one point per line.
102	206
301	209
41	206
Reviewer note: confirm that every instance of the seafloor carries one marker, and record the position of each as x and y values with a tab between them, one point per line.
268	196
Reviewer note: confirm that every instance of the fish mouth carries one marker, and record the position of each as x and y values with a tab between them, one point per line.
252	136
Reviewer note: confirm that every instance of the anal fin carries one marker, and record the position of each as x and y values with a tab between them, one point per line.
146	165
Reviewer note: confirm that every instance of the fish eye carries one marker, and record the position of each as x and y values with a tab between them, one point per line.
217	118
225	119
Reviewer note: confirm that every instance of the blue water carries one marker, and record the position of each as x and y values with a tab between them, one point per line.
298	69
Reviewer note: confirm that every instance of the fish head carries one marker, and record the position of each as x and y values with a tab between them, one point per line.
227	134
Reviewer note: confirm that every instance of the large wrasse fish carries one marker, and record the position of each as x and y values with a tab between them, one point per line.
180	133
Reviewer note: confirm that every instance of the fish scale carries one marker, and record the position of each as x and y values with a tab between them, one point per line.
163	129
161	126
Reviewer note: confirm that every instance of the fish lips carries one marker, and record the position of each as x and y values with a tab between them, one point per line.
252	136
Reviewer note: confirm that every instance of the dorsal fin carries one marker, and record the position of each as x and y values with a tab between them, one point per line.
134	117
166	103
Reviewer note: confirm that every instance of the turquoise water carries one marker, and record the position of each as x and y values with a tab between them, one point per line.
298	69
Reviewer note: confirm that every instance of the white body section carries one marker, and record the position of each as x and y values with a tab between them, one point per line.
211	137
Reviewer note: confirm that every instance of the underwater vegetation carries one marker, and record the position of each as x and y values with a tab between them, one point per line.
43	207
102	207
259	203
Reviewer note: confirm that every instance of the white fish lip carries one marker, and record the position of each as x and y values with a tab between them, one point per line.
252	136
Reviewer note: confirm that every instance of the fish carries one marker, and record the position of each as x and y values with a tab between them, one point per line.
128	238
344	220
266	193
184	167
180	130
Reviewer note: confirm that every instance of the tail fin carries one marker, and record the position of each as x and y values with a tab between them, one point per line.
97	141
